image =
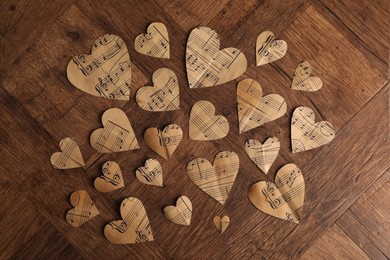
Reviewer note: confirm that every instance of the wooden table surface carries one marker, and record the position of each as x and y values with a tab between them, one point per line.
346	211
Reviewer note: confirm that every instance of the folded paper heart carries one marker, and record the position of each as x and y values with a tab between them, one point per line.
151	173
263	155
302	79
254	109
134	226
155	42
106	72
70	157
112	178
181	213
268	49
221	223
84	209
282	199
206	64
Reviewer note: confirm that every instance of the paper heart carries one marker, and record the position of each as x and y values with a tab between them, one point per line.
302	79
208	66
305	134
117	135
268	49
151	173
217	179
181	213
263	155
134	226
70	157
254	109
163	96
221	223
106	72
84	209
282	199
155	42
112	178
204	124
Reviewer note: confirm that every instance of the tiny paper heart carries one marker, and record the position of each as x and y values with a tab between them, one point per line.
181	213
208	66
155	42
151	173
84	209
217	179
117	135
70	157
263	155
112	178
106	72
164	142
268	49
204	124
305	134
134	226
254	109
163	96
221	223
302	79
282	199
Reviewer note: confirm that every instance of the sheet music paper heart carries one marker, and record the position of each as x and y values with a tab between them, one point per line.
206	64
254	109
155	42
268	49
163	95
83	208
282	199
117	135
217	179
263	155
151	173
302	79
204	124
69	157
112	178
106	72
134	226
221	223
181	213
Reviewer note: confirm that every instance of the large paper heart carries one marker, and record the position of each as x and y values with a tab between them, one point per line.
151	173
106	72
181	213
70	157
163	96
263	155
134	226
84	209
282	199
306	134
112	178
155	42
221	223
254	109
208	66
302	79
217	179
204	124
117	135
268	49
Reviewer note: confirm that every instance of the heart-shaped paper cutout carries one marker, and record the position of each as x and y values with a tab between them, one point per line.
282	199
134	226
217	179
254	109
204	124
306	134
106	72
84	209
221	223
112	178
302	79
117	135
268	49
181	213
263	155
151	173
208	66
155	42
70	157
163	96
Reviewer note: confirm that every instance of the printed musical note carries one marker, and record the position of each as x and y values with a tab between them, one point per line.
69	157
112	178
263	155
151	173
83	208
268	49
303	81
181	213
221	223
155	42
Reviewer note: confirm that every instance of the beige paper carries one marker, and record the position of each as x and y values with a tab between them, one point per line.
163	95
282	199
70	157
155	42
117	135
134	226
181	213
268	49
204	124
306	134
112	178
302	79
151	173
263	155
106	72
221	223
83	208
217	179
206	64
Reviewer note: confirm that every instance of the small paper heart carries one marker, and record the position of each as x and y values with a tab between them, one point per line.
70	157
155	42
268	49
263	155
112	178
151	173
221	223
84	209
181	213
302	79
